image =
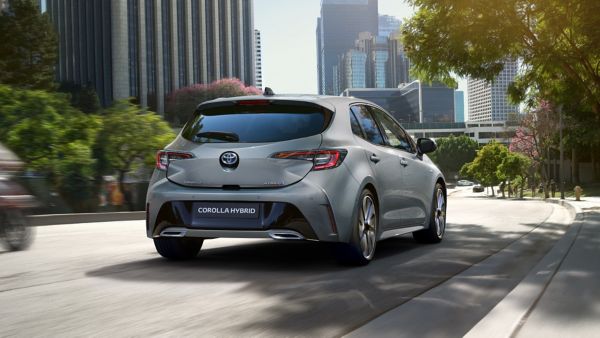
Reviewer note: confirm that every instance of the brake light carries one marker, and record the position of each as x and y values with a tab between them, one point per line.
253	103
163	158
322	159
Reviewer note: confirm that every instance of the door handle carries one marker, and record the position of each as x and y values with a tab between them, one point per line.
403	162
374	158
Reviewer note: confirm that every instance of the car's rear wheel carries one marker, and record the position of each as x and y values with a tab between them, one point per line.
361	248
437	221
178	248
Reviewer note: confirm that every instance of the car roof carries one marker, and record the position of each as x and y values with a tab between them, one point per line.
326	101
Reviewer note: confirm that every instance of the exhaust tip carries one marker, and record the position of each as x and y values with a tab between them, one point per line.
285	235
172	233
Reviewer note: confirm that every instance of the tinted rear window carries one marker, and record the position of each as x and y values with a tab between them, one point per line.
255	124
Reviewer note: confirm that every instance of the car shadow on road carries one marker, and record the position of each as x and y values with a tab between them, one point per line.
293	257
305	276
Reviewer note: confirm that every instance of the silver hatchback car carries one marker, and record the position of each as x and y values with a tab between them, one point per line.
319	168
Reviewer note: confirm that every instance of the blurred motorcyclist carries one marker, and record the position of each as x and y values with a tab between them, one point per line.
15	203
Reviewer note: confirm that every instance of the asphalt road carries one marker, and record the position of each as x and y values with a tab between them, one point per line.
105	279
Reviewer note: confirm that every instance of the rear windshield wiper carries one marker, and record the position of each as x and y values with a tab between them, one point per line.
219	135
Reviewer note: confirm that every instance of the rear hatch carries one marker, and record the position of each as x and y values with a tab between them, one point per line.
233	145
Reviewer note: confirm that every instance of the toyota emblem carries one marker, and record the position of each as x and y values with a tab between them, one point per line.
230	160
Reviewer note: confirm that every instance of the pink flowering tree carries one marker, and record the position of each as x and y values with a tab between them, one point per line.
536	136
182	102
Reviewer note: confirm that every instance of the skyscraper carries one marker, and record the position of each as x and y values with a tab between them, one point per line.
489	101
258	59
385	65
398	62
148	48
337	29
388	25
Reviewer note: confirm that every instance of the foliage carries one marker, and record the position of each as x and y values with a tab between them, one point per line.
453	152
183	102
556	40
131	137
51	137
83	98
513	165
28	51
484	167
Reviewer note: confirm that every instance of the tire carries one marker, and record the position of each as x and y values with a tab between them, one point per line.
178	249
15	230
437	221
363	241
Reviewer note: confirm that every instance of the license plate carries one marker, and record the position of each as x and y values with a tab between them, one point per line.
226	210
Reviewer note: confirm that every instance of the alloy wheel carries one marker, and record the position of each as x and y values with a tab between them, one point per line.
367	227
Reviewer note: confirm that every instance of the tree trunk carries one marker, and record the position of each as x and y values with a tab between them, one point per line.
594	164
522	190
493	194
126	196
574	166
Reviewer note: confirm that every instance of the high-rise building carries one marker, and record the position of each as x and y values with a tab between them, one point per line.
489	101
258	59
148	48
398	62
337	29
388	25
385	66
459	106
354	69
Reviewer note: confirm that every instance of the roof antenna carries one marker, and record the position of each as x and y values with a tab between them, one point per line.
268	92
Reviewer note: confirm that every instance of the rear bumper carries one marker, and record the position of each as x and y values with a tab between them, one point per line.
299	211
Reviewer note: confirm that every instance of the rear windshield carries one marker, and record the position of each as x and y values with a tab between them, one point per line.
255	124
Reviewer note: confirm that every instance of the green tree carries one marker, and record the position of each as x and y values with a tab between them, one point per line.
83	98
52	138
453	152
130	138
514	166
28	51
182	103
484	167
557	40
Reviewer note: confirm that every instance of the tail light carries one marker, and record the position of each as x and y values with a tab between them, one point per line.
163	158
322	159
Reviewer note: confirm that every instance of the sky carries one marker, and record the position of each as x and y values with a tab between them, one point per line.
288	39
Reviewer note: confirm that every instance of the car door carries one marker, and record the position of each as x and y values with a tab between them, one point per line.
384	162
414	196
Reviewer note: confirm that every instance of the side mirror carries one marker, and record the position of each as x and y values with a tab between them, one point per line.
426	145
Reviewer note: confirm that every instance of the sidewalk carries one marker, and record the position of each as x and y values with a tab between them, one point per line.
560	297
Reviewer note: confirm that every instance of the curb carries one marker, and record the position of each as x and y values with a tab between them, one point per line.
505	319
42	220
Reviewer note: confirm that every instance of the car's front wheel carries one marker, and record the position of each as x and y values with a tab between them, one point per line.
437	220
361	248
175	248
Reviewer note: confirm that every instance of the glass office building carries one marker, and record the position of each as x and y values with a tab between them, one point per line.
412	103
148	48
337	29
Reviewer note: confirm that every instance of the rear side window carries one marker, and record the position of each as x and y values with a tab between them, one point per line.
368	125
395	135
255	124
